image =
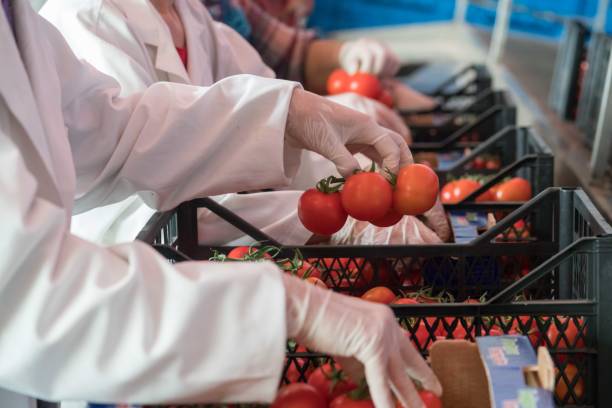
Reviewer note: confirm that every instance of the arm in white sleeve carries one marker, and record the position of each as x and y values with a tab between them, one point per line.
121	324
173	142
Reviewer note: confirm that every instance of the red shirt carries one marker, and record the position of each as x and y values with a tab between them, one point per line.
182	52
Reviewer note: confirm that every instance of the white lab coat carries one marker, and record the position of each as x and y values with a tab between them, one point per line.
128	40
80	321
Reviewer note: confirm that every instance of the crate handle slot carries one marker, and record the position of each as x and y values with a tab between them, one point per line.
439	91
507	294
235	220
439	108
171	253
155	224
489	113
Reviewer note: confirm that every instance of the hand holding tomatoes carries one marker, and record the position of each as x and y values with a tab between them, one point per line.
368	196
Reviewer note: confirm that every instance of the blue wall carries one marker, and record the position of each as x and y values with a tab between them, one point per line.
330	15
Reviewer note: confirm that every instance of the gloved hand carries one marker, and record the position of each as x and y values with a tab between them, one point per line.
408	231
336	132
436	219
362	335
369	56
406	98
380	113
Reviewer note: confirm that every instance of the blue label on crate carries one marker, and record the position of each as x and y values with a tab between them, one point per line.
465	225
447	160
504	358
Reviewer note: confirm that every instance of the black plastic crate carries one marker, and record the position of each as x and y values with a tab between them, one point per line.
555	281
478	118
446	80
455	268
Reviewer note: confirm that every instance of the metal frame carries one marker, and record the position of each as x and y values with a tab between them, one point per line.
500	31
602	144
602	15
461	7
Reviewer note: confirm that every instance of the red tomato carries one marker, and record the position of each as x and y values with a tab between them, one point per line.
416	190
562	391
389	219
492	164
386	99
367	196
406	301
365	84
345	401
321	213
367	273
317	282
299	395
242	252
306	270
456	191
330	381
379	294
338	82
565	333
239	252
429	399
516	189
478	163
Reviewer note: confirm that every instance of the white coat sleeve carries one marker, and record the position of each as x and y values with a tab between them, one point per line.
82	322
172	142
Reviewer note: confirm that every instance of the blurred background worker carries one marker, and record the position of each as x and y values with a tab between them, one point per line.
291	12
179	42
81	321
298	54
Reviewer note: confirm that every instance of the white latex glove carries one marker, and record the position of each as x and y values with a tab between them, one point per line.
336	133
408	231
362	335
406	98
380	113
436	219
369	56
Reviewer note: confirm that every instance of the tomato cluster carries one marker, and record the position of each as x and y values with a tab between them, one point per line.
368	196
515	189
360	83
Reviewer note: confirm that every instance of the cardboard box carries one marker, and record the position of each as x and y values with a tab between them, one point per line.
496	372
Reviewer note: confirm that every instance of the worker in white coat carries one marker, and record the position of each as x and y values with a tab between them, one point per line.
138	43
81	321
